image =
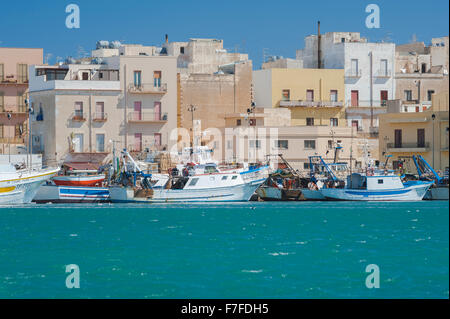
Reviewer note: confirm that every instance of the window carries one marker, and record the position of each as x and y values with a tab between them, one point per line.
310	121
408	95
224	178
342	40
429	94
100	142
255	144
282	144
137	78
334	121
310	144
181	50
2	101
85	76
380	181
252	122
354	67
21	102
420	137
238	122
99	110
193	182
229	145
2	72
383	97
1	130
78	143
100	75
424	67
157	79
286	95
355	98
310	95
22	73
330	144
384	67
234	177
137	142
78	110
333	95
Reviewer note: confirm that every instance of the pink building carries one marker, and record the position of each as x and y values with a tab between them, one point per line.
14	77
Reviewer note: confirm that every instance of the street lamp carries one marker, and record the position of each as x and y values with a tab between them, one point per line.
433	116
192	108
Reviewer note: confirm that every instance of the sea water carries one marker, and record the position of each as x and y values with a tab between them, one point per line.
226	250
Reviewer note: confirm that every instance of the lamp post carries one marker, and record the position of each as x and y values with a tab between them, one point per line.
192	108
433	116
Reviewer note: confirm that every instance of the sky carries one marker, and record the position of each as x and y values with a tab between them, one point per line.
277	27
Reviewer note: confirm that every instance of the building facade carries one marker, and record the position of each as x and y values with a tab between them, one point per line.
14	80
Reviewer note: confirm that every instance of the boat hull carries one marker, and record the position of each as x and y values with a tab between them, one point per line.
309	194
437	193
410	193
238	193
23	189
78	180
71	194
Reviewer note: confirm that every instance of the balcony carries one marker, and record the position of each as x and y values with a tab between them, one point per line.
408	147
383	74
147	117
304	103
14	79
12	140
100	117
353	74
367	103
78	116
147	88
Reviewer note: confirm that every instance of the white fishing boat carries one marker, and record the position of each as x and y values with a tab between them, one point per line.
377	188
50	193
20	186
202	184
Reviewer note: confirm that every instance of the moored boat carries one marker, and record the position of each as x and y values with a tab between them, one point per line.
377	188
71	194
20	186
79	179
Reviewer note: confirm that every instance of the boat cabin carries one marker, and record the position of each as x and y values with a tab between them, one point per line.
377	182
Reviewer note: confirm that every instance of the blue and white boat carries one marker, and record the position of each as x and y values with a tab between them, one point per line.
51	193
376	187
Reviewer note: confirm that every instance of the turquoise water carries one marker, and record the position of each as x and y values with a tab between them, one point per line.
242	250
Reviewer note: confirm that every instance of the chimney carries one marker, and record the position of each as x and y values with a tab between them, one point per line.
318	46
167	38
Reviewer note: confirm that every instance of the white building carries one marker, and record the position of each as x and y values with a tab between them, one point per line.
369	72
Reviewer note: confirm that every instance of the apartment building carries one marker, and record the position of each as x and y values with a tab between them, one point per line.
314	96
421	71
14	78
369	72
212	82
84	108
405	132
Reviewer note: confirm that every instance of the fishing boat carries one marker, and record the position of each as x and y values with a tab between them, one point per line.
439	189
50	193
79	178
195	184
19	186
377	187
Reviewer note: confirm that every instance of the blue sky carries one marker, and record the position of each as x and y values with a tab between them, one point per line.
248	26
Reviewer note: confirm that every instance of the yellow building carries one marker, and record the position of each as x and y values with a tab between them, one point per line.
403	134
314	96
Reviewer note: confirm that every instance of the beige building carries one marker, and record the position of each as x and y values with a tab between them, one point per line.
82	109
14	78
404	133
421	71
212	83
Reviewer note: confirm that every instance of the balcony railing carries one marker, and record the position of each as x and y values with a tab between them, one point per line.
353	74
149	117
100	117
303	103
404	146
14	79
78	116
147	88
382	73
12	140
366	103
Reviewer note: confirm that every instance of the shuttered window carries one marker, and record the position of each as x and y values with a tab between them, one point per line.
2	102
22	73
2	72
